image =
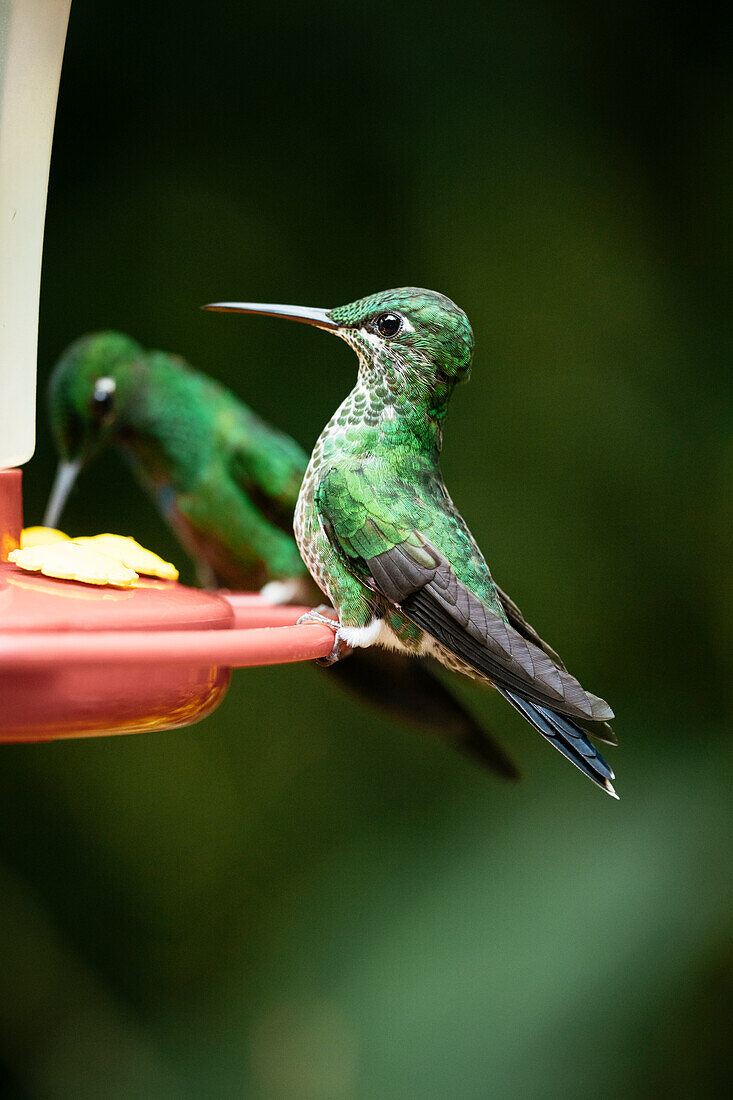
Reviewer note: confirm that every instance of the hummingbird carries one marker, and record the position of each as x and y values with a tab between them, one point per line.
227	483
382	538
222	478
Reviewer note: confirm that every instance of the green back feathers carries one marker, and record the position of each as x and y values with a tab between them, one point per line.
107	390
222	477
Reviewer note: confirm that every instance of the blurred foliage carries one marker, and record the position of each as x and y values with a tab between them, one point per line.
294	901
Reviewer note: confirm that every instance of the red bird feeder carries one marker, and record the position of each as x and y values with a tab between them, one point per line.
78	660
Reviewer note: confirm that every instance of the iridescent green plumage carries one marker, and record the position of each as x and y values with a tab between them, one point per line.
227	483
383	539
225	480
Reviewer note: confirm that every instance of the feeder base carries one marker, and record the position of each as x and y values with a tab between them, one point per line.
61	698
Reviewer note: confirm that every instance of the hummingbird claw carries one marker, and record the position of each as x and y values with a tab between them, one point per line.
326	616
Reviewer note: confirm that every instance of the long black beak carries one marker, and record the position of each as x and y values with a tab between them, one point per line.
308	315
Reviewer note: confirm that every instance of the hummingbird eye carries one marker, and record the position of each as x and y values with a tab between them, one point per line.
103	397
388	324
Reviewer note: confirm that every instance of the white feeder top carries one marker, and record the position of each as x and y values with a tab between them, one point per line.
32	35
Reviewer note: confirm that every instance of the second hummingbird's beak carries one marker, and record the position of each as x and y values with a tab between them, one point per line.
66	475
307	314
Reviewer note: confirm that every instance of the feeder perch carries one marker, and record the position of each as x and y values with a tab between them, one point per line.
78	660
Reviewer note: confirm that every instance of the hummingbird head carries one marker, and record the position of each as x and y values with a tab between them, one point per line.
417	335
87	394
417	341
87	391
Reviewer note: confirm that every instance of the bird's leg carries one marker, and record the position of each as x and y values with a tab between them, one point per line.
326	616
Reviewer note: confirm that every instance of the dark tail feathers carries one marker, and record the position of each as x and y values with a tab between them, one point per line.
567	737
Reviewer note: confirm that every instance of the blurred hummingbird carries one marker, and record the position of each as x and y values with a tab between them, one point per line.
227	483
383	539
223	479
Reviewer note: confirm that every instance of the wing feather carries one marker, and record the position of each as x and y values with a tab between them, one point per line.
381	545
601	730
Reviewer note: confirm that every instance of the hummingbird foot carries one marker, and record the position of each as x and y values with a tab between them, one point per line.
326	616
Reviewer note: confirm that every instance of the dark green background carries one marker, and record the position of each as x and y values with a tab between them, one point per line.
295	900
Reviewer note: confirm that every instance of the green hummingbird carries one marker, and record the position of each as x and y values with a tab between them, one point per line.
382	538
227	483
223	479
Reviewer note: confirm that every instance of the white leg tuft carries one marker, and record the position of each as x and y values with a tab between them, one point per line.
361	637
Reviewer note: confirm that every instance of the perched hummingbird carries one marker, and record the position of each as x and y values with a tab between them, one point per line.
383	539
227	483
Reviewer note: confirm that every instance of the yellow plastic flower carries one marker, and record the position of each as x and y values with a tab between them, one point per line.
40	536
68	561
131	554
